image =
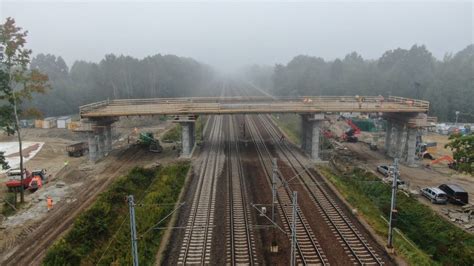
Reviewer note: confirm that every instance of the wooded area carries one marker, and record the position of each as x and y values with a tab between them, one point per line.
117	77
448	84
414	73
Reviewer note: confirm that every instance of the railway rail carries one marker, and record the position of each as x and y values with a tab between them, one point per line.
357	247
240	238
197	241
309	251
34	248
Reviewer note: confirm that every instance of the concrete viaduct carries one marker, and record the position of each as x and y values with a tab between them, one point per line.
404	117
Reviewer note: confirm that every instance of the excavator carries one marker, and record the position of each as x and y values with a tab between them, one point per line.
449	159
351	134
148	140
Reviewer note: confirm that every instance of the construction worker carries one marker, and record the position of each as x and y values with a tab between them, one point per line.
49	202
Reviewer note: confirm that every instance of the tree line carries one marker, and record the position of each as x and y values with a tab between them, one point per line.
415	73
117	77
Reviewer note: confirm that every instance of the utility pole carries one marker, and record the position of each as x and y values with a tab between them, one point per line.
393	210
133	230
293	229
274	173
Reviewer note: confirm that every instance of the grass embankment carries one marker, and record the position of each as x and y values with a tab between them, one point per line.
174	133
430	240
101	235
291	125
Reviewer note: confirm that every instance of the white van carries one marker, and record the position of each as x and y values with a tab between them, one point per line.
435	195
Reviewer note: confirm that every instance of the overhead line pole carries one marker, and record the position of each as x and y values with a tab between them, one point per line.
133	230
393	210
293	229
274	173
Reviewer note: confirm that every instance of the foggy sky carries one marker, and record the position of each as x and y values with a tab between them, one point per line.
231	34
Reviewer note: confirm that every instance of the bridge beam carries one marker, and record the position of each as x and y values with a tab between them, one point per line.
310	134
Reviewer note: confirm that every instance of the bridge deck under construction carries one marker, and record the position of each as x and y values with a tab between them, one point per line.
249	105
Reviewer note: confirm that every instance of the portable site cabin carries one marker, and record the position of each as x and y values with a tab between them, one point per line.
38	123
27	123
50	122
64	121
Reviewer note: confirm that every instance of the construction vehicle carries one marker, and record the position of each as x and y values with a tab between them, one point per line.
350	134
14	183
77	149
30	180
147	139
39	178
449	159
425	150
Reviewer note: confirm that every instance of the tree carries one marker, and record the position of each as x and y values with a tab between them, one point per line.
3	162
18	82
463	151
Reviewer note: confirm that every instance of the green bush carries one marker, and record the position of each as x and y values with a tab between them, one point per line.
101	235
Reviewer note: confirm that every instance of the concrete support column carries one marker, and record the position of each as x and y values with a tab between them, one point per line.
399	141
304	125
101	143
316	128
187	138
108	139
310	134
411	146
92	146
388	137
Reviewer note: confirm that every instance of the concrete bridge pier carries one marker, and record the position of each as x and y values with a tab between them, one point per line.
411	146
187	138
108	138
310	134
406	128
388	137
99	136
188	134
93	148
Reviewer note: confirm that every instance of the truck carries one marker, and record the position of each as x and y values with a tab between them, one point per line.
77	149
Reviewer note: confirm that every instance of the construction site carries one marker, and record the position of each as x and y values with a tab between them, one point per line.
255	194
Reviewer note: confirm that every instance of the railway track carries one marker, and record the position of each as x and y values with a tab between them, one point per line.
34	247
240	239
356	246
309	251
197	241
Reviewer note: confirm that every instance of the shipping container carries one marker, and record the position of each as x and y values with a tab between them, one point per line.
50	122
63	121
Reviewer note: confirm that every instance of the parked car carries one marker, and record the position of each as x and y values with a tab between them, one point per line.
384	169
455	193
435	195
